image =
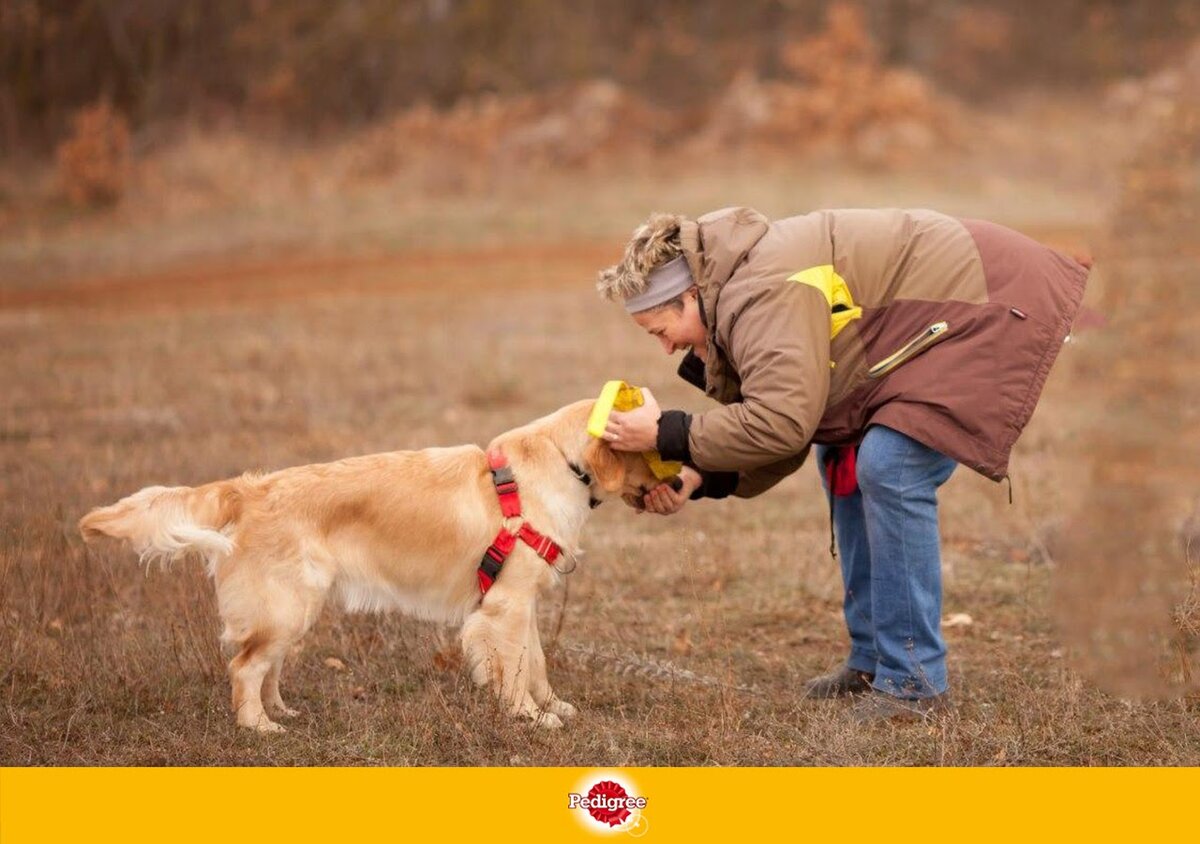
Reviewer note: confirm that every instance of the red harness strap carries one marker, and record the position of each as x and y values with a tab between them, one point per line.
506	484
506	540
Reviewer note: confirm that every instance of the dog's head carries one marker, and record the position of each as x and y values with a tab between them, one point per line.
620	473
612	474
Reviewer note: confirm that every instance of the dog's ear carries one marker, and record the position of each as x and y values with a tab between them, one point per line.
607	466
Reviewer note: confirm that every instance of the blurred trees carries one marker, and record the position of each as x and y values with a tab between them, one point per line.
316	65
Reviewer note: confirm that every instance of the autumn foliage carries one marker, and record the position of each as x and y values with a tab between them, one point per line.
93	162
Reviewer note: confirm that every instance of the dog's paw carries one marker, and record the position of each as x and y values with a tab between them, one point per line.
260	723
549	721
266	725
562	709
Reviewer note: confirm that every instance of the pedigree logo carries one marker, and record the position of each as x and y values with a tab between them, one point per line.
610	805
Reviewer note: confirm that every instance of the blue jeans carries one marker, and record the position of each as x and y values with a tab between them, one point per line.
887	533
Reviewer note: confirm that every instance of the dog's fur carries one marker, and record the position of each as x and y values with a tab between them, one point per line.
396	531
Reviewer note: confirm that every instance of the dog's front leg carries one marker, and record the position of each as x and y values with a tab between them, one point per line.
496	643
539	683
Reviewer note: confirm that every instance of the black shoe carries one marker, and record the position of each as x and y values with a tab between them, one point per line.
845	681
880	706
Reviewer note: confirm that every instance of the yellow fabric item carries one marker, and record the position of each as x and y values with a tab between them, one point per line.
617	395
833	287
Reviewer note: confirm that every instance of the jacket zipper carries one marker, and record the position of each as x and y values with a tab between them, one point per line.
910	349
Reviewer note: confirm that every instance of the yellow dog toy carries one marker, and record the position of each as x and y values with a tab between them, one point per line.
617	395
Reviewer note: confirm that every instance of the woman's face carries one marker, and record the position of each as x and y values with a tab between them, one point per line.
677	329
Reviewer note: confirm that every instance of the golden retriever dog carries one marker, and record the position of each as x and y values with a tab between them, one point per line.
404	531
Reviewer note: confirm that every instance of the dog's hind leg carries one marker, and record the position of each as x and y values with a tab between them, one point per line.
539	683
247	672
264	616
272	700
289	628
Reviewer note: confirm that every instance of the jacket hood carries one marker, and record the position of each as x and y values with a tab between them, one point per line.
716	244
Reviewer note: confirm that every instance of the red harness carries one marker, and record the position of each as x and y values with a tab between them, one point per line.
505	541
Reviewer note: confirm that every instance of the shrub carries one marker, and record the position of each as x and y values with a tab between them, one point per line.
93	163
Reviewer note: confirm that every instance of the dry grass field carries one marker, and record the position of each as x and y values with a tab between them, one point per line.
681	643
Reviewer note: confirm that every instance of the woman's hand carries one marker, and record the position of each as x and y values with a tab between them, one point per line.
637	429
664	501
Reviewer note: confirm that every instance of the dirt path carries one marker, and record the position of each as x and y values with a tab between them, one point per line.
289	279
286	279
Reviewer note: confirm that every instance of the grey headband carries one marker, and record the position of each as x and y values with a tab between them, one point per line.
663	284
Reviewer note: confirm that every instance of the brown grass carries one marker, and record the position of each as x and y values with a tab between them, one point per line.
683	641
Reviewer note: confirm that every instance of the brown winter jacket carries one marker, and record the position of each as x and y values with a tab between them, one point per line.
966	389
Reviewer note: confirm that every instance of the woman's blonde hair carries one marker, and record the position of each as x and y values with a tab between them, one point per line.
654	243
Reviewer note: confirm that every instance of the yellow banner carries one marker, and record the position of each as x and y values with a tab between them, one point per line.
552	804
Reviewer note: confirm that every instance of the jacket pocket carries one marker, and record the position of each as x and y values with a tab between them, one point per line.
930	336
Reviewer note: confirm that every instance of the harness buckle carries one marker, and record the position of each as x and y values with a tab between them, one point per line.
503	475
507	488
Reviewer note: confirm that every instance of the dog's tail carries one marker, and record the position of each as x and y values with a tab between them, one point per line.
165	523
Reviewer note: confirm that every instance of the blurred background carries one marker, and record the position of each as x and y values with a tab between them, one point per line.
177	129
240	235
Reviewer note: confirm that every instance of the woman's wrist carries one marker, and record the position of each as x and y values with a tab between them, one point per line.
672	439
716	485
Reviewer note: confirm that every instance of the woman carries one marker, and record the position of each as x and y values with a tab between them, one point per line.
900	342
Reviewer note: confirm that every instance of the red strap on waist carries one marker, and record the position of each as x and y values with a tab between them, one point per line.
841	470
